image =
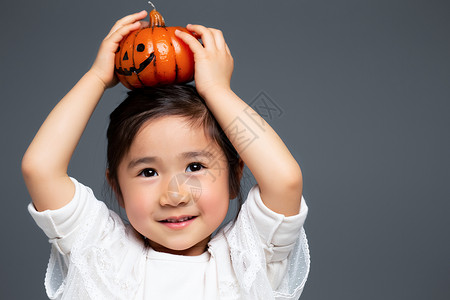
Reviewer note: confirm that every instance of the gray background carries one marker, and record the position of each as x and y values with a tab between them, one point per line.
364	91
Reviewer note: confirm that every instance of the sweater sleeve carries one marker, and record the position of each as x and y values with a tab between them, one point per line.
283	242
278	233
269	252
63	225
66	227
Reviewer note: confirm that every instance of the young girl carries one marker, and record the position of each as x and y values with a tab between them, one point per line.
175	159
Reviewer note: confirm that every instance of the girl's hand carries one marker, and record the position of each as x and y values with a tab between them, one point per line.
213	60
103	66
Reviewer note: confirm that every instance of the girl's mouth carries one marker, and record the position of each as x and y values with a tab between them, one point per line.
178	222
177	219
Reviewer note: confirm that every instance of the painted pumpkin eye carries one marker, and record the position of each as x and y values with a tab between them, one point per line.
140	47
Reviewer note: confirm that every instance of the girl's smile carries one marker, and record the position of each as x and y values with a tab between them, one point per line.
174	184
178	222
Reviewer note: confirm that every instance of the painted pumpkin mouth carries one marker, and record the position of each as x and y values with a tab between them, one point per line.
142	66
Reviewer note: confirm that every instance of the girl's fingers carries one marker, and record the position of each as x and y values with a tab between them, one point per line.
227	49
144	24
191	41
212	39
130	19
218	38
196	35
123	31
205	34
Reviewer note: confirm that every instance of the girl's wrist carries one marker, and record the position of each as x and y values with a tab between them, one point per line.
92	76
212	93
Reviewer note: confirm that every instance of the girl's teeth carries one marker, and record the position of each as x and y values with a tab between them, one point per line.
178	221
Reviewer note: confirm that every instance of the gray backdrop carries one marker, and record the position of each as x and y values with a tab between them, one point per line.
359	92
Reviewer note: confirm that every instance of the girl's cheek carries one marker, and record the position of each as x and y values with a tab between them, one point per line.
213	203
136	205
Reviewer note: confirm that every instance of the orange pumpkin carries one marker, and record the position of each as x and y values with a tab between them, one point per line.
154	56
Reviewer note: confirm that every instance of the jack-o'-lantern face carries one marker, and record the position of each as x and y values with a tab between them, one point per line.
142	65
154	56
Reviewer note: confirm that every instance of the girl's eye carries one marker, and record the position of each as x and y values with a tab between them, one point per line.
194	167
148	173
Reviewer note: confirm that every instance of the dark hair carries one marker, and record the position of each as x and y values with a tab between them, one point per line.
143	105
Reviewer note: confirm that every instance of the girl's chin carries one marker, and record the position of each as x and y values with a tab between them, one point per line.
182	248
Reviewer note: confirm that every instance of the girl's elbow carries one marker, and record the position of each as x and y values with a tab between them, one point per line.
289	182
26	165
33	167
294	178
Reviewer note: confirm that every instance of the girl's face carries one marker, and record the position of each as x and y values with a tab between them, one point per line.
174	184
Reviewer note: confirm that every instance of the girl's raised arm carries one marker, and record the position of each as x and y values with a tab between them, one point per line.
45	163
278	174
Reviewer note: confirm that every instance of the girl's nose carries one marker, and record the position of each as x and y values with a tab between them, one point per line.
182	190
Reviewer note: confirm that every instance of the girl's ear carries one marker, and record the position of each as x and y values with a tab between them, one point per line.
114	186
107	176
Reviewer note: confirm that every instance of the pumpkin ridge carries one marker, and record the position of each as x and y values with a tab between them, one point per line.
137	73
119	54
155	48
174	58
132	57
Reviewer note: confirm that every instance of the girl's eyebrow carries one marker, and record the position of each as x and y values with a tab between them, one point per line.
184	155
193	154
142	160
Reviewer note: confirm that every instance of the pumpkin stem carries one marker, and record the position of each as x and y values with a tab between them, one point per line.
156	19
